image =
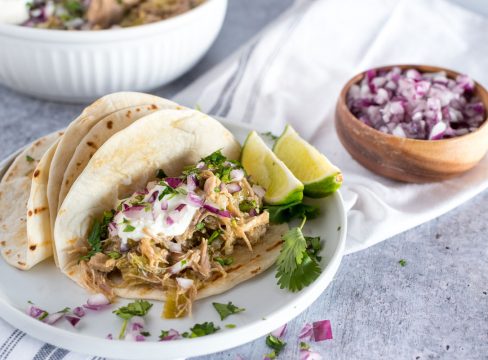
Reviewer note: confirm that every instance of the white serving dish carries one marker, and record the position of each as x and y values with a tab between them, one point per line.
79	66
267	306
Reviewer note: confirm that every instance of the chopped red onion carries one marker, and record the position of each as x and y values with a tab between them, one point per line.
309	355
34	311
184	283
134	337
164	204
200	165
134	211
53	318
174	247
172	335
137	323
73	320
410	104
233	187
79	311
97	302
191	182
173	182
112	229
306	332
194	199
169	220
253	212
322	330
180	207
214	210
109	337
236	175
259	191
153	197
280	331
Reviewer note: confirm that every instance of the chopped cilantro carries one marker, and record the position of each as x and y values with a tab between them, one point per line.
94	241
230	326
275	343
313	247
29	158
145	333
224	261
296	268
225	310
214	236
402	262
217	189
136	308
200	226
285	213
270	135
271	355
247	205
160	174
129	228
304	346
164	333
199	330
114	255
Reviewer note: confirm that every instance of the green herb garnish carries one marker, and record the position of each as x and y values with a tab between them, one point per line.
247	205
214	236
402	262
164	333
114	255
230	326
275	343
224	261
136	308
200	226
225	310
296	268
304	346
271	355
145	333
279	214
217	189
129	228
29	158
313	247
199	330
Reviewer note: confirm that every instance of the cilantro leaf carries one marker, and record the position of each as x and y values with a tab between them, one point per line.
313	247
199	330
230	326
136	308
271	355
200	226
275	343
304	346
247	205
296	268
160	174
225	310
279	214
29	158
129	228
114	255
402	262
214	236
224	261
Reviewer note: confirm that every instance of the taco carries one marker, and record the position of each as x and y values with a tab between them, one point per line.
25	236
163	210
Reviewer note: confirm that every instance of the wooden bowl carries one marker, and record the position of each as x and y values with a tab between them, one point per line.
410	160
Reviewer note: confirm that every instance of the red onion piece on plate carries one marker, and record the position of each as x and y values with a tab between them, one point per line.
322	330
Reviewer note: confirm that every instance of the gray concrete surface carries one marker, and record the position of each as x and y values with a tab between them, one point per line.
435	307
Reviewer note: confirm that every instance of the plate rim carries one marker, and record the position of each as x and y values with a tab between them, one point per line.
79	342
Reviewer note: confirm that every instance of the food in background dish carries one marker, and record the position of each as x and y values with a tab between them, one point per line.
411	104
102	14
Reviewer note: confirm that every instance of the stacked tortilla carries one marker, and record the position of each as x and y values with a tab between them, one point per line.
61	183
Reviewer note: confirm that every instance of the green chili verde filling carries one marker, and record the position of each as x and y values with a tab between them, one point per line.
176	234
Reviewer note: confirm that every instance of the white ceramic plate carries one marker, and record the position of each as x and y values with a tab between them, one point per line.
267	307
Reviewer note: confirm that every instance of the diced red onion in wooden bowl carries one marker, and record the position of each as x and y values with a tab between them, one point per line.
408	103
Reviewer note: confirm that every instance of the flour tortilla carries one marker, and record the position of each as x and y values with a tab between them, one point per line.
167	140
25	236
81	125
96	137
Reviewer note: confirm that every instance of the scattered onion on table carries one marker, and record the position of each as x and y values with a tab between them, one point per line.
410	104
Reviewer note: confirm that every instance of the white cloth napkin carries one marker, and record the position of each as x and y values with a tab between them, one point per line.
293	72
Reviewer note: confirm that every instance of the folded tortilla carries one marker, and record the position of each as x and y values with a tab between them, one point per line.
169	140
25	237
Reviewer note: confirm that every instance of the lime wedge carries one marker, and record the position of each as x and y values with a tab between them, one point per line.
282	187
320	177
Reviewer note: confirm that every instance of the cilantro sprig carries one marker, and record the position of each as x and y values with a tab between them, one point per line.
98	233
226	310
199	330
279	214
275	343
136	308
297	263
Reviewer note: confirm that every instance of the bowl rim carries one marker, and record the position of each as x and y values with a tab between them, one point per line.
121	34
359	76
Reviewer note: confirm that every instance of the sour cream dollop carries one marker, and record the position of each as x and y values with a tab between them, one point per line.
13	11
168	215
